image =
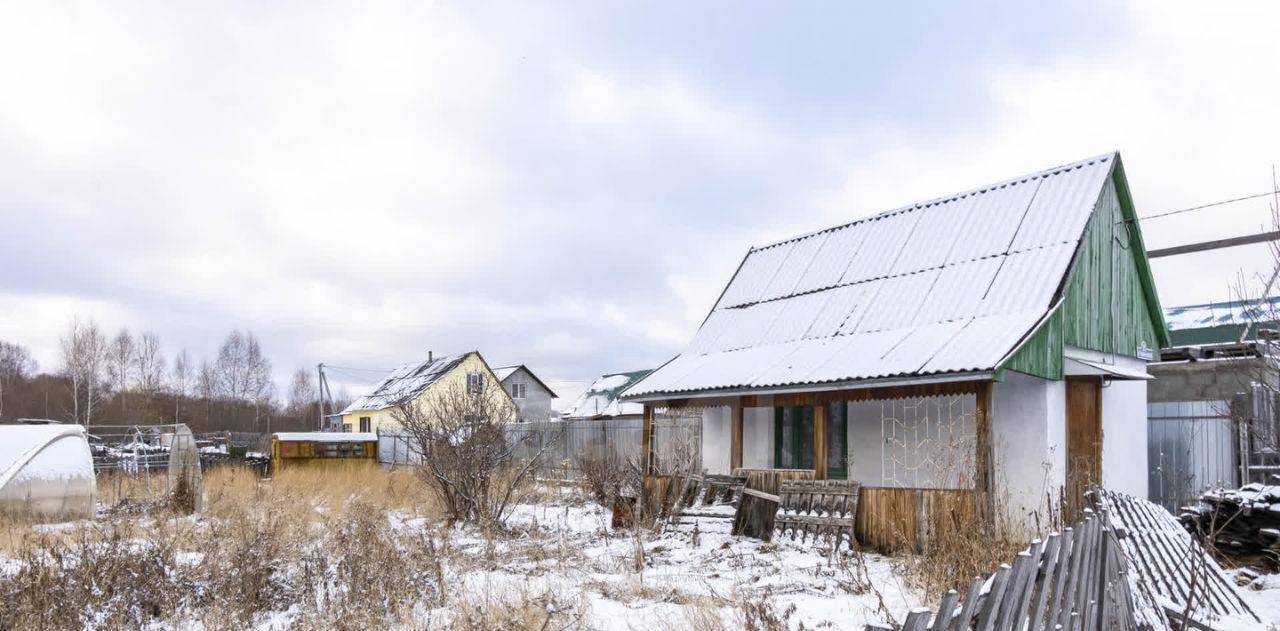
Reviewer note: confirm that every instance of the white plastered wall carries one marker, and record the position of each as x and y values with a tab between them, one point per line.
1028	427
1124	437
757	439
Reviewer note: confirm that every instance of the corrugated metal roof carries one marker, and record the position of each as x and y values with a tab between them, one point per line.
948	285
405	383
601	398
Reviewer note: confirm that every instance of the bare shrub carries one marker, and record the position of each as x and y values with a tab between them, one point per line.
457	429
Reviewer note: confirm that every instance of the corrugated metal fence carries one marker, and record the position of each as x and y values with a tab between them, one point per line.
562	443
1191	447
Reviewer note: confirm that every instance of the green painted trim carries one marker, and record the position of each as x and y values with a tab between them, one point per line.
1041	354
1139	249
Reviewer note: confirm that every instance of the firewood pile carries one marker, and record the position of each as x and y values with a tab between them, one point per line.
1243	523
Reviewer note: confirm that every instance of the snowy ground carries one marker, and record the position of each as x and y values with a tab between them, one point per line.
572	554
559	562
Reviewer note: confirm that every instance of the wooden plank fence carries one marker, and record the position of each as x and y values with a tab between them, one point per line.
1076	580
1170	561
1129	566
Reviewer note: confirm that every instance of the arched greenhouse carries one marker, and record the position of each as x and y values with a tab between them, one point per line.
46	472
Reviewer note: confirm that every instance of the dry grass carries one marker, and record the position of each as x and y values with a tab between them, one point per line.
323	540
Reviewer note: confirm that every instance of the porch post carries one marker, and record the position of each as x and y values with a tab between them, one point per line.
735	435
646	441
819	441
983	473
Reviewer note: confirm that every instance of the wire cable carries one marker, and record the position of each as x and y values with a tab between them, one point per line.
1211	205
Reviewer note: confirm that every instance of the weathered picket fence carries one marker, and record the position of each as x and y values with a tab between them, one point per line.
818	510
1127	566
1076	580
1170	562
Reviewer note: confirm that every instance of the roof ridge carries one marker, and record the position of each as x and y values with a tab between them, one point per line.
1022	179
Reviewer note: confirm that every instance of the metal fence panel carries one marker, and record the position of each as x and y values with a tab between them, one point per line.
1191	447
562	443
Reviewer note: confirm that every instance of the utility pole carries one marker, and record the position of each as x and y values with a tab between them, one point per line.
322	385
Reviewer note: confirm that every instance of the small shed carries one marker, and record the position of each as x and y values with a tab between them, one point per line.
291	449
46	472
988	345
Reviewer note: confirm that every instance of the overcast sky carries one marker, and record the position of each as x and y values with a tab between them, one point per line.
566	185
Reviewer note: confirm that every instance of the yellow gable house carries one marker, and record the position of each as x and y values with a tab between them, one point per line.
416	383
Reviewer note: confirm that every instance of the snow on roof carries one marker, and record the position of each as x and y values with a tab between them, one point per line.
1219	313
326	437
502	372
948	285
601	397
405	383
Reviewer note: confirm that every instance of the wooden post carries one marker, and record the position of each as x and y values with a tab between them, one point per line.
983	469
735	435
819	441
646	442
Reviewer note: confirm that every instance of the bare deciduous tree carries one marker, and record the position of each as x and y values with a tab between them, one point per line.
180	382
149	363
84	357
16	364
302	395
457	429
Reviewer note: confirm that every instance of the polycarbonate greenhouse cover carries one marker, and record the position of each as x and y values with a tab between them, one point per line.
951	285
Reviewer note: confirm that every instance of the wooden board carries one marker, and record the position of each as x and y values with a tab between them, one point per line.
755	515
818	510
894	519
1084	442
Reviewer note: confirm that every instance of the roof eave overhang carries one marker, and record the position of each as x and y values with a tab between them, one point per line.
856	384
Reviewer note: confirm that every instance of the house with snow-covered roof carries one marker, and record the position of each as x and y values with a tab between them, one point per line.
600	401
416	383
988	344
531	395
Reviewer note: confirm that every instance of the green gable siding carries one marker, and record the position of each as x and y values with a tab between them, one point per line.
1041	355
1105	304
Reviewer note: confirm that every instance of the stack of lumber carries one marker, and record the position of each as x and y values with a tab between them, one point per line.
1242	523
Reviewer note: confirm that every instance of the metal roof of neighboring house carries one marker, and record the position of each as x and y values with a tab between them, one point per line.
405	383
601	398
951	285
1221	322
502	372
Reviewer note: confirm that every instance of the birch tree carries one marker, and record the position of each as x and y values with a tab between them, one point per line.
84	356
180	382
120	355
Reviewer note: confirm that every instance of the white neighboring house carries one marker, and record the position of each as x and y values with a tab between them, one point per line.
601	400
988	344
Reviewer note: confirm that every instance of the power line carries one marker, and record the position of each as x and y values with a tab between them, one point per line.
1204	206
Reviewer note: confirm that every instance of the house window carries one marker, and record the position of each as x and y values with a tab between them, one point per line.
475	383
365	423
517	391
346	427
